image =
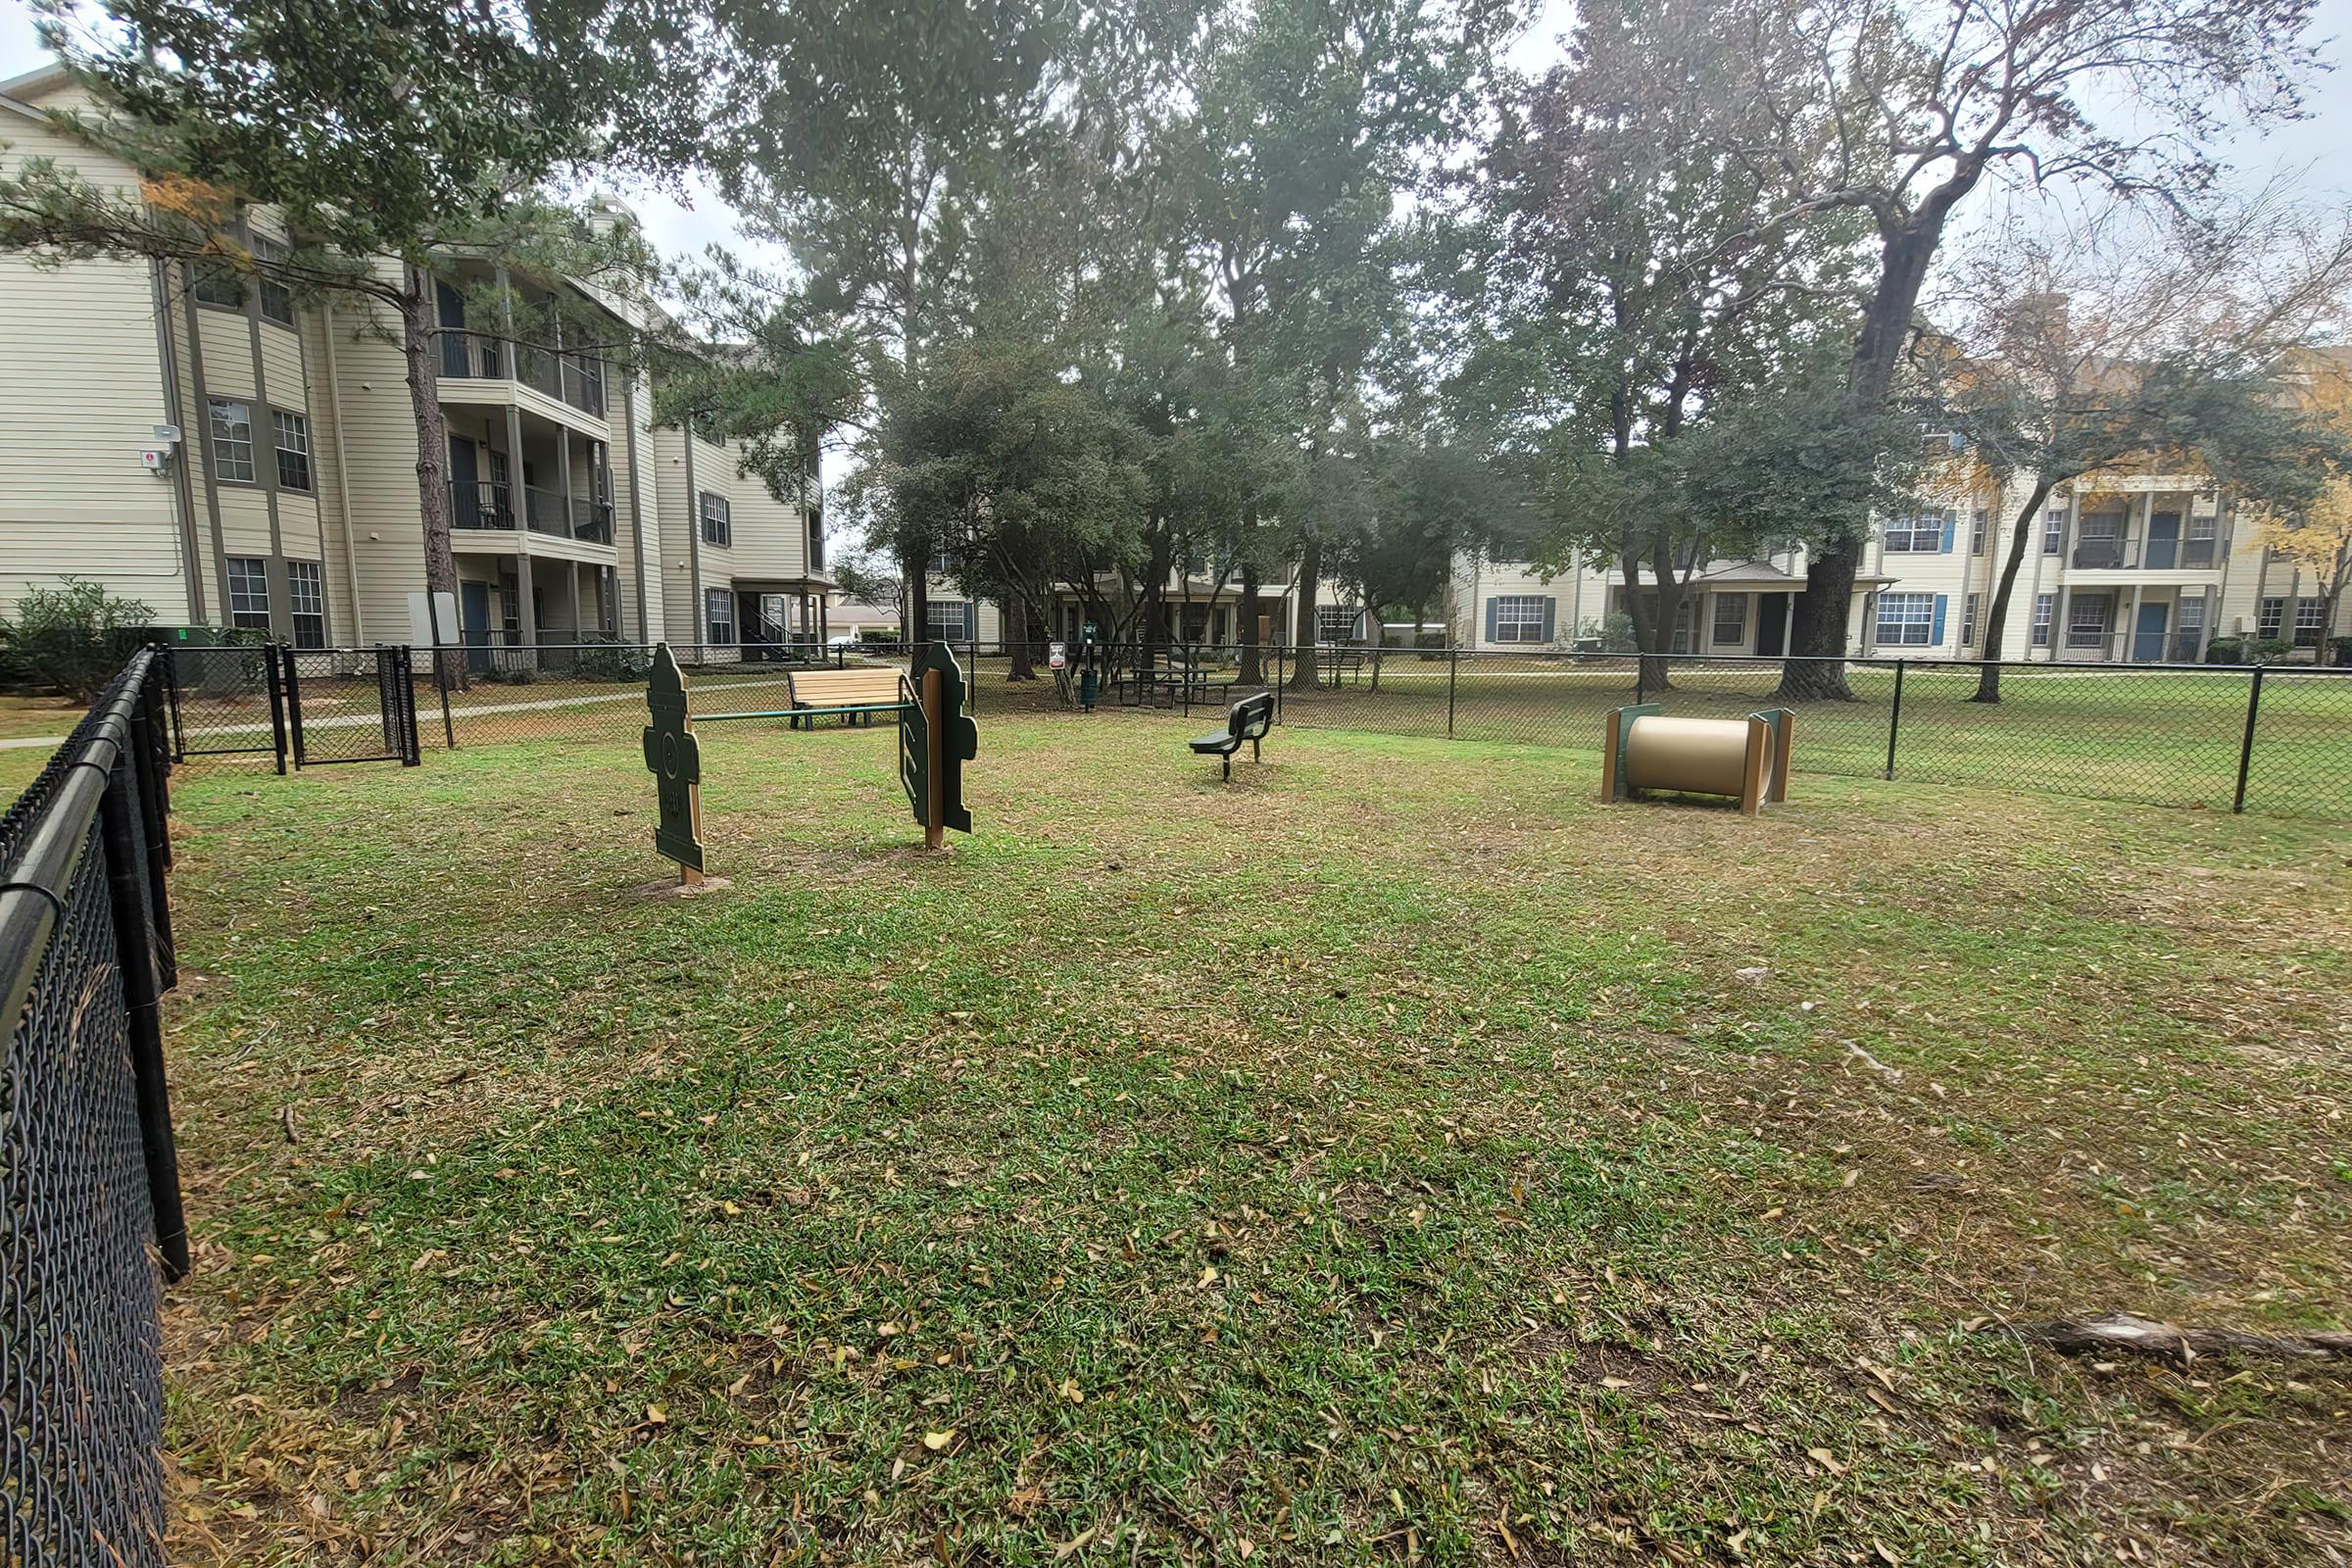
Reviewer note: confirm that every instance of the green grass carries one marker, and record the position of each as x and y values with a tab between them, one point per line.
1381	1158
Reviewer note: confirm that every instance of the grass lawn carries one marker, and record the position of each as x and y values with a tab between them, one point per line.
1392	1156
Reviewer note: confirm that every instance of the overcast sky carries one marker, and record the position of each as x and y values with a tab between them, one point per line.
2311	152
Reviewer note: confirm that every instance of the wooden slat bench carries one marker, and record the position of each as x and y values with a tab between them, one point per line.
860	686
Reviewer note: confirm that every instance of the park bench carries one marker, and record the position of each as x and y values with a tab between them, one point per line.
1163	681
1340	663
860	686
1246	720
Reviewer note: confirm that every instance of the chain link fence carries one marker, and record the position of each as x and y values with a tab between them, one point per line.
2269	738
86	1156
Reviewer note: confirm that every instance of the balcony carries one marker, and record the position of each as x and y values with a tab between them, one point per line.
562	517
2101	554
574	378
481	505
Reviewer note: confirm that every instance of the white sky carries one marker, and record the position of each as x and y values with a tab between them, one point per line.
2309	153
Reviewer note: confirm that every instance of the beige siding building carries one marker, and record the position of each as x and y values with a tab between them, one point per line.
231	457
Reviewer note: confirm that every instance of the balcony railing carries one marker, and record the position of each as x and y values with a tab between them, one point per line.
592	520
2197	551
562	517
479	505
2099	554
574	378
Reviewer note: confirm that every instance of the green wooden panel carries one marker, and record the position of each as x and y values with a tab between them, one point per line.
675	756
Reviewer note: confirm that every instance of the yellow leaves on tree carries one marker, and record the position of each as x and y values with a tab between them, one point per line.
2318	539
206	205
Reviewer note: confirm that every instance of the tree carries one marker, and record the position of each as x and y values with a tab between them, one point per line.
2317	536
385	132
2133	353
876	581
1902	114
1630	306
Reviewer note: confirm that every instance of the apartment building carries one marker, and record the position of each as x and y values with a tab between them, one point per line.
2138	570
233	456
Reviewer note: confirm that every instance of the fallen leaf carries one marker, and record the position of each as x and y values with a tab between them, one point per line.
936	1440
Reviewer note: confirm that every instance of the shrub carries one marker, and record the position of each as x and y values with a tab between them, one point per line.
617	661
71	640
2225	650
2273	648
2342	647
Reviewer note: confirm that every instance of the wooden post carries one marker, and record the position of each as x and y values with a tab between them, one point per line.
1756	772
935	739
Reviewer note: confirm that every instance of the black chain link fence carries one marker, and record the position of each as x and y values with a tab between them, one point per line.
2161	734
86	1160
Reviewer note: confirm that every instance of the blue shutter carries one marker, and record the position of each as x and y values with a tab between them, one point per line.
1943	602
1551	618
1490	620
1951	526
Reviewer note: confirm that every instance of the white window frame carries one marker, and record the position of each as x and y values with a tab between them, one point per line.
1736	625
2270	617
1903	536
1970	604
2045	616
272	296
1337	624
2307	622
1900	615
2083	631
248	591
232	439
1518	613
718	618
1979	527
2053	530
718	525
964	620
291	435
306	595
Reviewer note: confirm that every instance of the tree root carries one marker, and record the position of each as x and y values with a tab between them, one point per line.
2114	1332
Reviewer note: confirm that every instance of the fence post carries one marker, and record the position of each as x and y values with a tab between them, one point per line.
277	704
2246	749
1895	717
154	825
1282	654
293	707
1453	677
449	728
1641	679
135	955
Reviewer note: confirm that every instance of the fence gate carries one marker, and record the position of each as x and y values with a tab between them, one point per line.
225	702
348	705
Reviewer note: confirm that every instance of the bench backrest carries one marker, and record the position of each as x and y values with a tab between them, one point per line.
1251	717
868	687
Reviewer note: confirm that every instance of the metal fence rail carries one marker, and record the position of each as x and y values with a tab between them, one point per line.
86	1157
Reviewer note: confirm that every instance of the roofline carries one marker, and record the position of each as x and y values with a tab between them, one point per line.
33	80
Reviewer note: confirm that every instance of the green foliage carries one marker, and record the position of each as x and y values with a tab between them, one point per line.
70	639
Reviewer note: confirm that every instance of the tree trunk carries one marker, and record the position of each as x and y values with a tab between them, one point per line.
1996	612
1153	631
1302	629
914	570
1253	663
1817	633
1016	642
419	342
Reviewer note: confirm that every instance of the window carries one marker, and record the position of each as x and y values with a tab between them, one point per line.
948	620
1916	534
719	614
1968	620
2086	620
2307	623
277	300
2044	606
1336	623
2099	540
1516	617
232	440
2196	550
2053	532
816	540
1906	621
719	526
249	592
306	594
293	449
1731	620
219	284
1976	533
2269	616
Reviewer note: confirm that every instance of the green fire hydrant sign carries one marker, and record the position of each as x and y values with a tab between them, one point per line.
675	756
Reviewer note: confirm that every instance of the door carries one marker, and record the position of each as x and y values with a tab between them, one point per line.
456	359
2164	540
464	484
1772	625
2147	639
474	614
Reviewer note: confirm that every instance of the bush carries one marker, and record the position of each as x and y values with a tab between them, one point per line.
2342	647
71	640
2225	650
621	662
2273	648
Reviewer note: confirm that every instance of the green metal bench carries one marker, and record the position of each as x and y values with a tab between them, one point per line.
1246	720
